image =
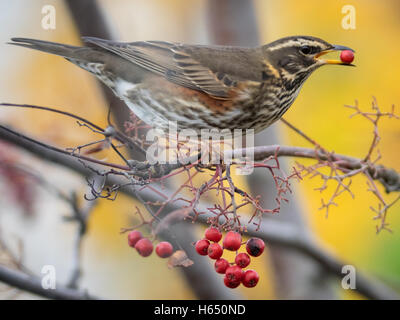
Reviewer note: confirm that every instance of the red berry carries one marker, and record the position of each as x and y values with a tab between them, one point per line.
255	247
214	251
242	260
232	241
234	273
133	237
213	234
164	249
144	247
250	278
221	265
202	247
347	56
231	284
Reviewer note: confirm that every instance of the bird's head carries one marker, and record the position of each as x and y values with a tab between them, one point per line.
295	58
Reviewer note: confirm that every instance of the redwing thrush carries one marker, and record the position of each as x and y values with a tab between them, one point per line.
199	86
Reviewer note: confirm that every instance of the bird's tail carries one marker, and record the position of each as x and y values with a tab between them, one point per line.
66	51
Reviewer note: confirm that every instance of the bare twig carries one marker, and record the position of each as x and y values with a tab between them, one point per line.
80	215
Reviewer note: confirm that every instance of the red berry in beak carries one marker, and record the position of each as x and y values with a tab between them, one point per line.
347	56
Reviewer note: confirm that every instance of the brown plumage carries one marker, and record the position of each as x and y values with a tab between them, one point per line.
199	87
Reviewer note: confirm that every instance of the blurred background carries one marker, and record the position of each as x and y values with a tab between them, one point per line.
112	269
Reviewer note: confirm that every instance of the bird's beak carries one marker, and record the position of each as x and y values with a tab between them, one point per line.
331	61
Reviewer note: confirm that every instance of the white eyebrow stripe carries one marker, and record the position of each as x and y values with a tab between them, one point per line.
298	42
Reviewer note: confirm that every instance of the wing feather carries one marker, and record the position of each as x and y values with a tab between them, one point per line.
175	62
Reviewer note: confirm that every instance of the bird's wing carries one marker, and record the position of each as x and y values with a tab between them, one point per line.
204	69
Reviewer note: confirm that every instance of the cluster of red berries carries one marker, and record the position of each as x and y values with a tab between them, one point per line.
234	273
145	247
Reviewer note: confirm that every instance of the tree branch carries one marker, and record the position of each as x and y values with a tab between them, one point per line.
33	284
389	178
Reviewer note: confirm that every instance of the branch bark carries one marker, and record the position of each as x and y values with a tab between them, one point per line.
389	178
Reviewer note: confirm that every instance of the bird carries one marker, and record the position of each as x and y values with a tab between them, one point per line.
200	86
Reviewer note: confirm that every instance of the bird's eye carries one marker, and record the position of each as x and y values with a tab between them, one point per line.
306	50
